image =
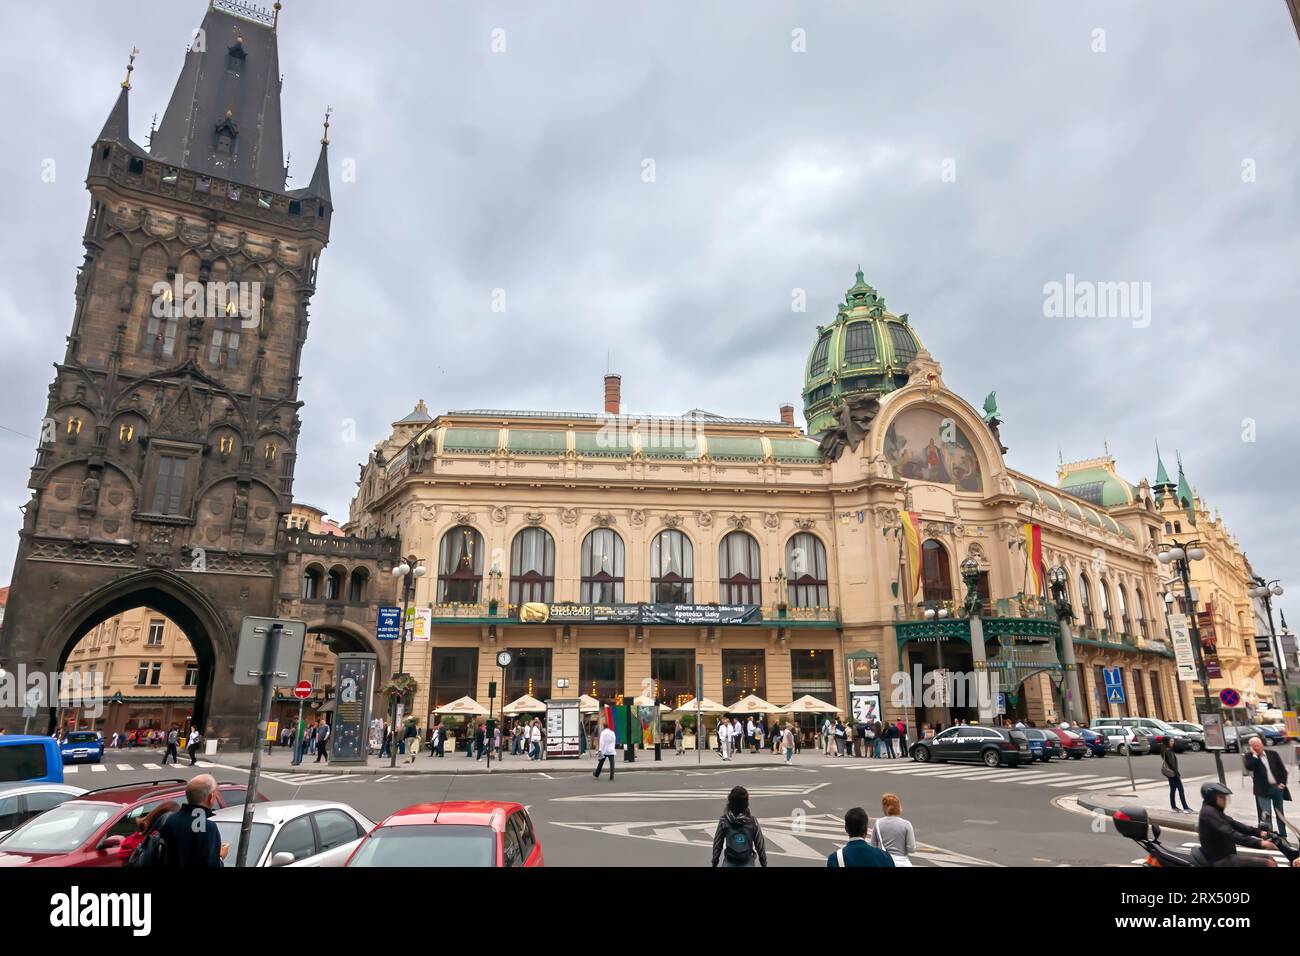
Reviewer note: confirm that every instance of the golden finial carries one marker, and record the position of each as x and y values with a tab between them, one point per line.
275	20
130	65
325	137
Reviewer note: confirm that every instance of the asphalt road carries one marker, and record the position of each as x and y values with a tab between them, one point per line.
964	815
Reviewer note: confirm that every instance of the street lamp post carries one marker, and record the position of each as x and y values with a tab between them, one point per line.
1180	554
1266	591
409	570
1072	706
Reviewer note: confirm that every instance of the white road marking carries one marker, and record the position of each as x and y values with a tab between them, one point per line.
152	766
123	766
546	775
68	770
705	793
99	768
809	804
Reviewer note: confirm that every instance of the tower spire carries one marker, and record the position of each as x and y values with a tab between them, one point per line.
130	66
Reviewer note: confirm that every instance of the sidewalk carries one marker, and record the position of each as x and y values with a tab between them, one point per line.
1241	805
280	761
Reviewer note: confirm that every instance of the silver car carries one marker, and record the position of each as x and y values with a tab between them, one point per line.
19	802
1195	734
1123	740
294	832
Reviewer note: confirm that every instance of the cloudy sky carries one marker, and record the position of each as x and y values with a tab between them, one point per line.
653	181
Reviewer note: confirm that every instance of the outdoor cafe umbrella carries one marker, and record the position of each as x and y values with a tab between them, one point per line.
706	707
524	705
810	705
753	704
464	707
649	702
588	705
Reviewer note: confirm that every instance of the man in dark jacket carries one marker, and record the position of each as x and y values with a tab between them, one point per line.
190	839
1221	835
1269	784
858	852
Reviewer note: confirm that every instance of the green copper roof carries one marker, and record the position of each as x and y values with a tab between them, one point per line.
793	449
1098	486
525	441
725	448
1050	499
472	440
1027	491
1162	476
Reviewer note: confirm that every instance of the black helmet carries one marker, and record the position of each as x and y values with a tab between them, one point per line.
1212	789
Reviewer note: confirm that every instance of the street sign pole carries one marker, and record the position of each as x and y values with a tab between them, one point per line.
491	724
699	726
297	740
269	652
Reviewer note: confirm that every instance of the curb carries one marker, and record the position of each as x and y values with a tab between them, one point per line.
1163	820
623	767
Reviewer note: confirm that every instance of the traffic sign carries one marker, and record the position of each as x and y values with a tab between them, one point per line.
1114	685
1229	697
389	624
253	634
303	690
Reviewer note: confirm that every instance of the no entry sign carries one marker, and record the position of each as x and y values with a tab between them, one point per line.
303	690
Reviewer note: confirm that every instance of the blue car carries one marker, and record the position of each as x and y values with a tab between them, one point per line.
1095	741
26	758
82	745
1273	736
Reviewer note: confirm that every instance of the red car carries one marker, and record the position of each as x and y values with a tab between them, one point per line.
1072	745
90	830
480	833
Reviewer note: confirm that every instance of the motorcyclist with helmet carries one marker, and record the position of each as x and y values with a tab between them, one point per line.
1221	835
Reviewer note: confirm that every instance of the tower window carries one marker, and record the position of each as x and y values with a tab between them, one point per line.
904	345
169	485
860	344
820	356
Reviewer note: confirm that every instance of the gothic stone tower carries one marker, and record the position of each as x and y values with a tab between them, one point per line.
167	454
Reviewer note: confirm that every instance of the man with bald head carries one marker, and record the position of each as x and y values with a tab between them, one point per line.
1269	775
190	839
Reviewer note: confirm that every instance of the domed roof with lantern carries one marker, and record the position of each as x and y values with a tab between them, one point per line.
864	352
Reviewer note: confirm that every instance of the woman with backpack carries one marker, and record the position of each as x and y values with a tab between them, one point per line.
738	840
145	825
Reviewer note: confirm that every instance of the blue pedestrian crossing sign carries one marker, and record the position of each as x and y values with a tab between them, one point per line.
1114	685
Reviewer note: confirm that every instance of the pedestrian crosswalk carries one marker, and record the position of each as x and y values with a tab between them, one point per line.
1012	776
75	768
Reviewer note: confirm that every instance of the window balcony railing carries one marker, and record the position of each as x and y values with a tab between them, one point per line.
1027	606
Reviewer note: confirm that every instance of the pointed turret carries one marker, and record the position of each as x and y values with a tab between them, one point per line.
1162	486
319	187
1186	497
117	128
223	118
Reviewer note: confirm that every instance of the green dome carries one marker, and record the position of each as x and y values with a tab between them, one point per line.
865	351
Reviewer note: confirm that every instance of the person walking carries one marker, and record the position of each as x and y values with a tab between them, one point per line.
738	841
902	737
724	739
858	852
840	738
1169	767
322	741
1270	788
605	751
173	737
192	745
827	736
190	840
892	833
678	739
787	743
479	738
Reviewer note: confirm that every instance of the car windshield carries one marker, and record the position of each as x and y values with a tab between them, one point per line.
427	845
229	830
82	738
60	830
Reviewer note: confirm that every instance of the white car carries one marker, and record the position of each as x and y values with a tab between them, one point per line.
294	832
1122	739
19	802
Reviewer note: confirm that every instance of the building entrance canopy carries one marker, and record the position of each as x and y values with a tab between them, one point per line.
684	614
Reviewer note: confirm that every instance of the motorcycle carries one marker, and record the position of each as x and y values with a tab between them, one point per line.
1132	822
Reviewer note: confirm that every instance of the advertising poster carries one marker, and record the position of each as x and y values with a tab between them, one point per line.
1184	657
865	707
419	622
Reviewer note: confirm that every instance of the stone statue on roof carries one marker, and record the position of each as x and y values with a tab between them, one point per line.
991	418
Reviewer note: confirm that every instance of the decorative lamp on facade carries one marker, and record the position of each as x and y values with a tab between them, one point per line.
970	575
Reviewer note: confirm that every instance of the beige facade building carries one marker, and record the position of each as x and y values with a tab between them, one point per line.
615	553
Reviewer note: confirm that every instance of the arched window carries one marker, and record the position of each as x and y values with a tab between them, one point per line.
532	566
1169	528
334	584
357	586
1103	593
1121	596
805	557
936	572
311	579
1142	611
672	568
602	567
738	569
1085	601
460	566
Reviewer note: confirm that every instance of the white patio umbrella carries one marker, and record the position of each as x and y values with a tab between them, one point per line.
588	705
464	706
706	707
649	701
524	705
753	704
810	705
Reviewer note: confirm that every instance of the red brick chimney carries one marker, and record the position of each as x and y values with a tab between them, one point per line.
613	393
787	414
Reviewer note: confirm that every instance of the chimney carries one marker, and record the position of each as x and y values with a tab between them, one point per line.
787	414
613	393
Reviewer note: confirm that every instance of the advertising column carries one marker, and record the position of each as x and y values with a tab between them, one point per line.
352	700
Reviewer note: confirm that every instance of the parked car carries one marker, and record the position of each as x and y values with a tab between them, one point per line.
1195	734
19	802
1093	740
1236	737
89	830
1124	740
992	746
1042	745
477	833
1161	732
294	832
82	745
1072	744
30	758
1273	736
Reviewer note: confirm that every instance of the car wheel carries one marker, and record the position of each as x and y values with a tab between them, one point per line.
1122	749
1077	756
992	758
1197	746
921	754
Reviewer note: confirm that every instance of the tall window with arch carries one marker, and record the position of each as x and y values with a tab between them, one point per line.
1121	599
1141	612
532	566
805	559
160	324
602	567
460	566
1103	593
1085	602
672	568
936	572
739	570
